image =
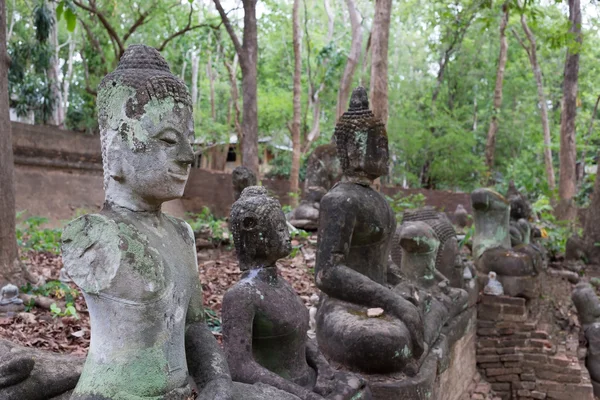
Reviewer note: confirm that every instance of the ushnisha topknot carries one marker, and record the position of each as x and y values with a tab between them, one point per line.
355	125
141	77
144	70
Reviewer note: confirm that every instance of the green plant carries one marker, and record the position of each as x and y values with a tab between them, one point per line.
69	311
212	320
56	289
555	233
400	203
467	238
31	237
206	222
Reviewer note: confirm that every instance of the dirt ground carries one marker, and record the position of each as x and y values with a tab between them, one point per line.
218	269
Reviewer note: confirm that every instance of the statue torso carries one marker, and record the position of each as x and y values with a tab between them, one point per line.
374	226
137	275
279	329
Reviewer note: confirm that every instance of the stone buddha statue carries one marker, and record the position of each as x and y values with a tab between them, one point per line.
322	171
355	232
492	250
264	321
137	266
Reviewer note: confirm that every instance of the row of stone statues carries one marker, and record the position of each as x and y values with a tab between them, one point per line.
137	267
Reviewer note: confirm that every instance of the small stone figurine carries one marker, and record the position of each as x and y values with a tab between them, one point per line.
264	320
493	287
136	266
312	316
9	294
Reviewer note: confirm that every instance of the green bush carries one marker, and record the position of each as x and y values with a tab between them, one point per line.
31	237
205	221
555	233
400	203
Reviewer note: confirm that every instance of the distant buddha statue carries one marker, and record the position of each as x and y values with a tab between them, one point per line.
355	232
492	249
137	267
264	321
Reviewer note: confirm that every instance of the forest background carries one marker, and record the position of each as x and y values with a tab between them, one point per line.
445	67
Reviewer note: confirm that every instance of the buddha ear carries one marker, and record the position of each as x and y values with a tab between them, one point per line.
250	222
115	159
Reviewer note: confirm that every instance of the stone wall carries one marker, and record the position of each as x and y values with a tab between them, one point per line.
519	358
59	173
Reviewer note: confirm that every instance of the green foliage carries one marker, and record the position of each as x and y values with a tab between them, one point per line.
212	320
281	165
206	222
400	203
43	21
69	311
32	237
56	289
555	233
585	190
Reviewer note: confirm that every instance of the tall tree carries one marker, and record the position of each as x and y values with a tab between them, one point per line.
380	36
10	270
531	50
247	52
353	57
568	152
295	128
490	146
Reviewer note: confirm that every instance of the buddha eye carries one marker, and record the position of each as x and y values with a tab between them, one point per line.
168	140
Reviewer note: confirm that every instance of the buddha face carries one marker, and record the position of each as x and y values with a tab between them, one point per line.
265	239
149	158
369	155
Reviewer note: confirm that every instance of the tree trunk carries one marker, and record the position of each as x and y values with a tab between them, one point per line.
58	112
568	152
379	59
10	270
296	145
211	85
353	57
69	74
235	95
248	54
490	146
537	73
195	64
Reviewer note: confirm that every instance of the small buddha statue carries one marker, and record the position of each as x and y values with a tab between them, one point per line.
423	283
588	310
322	171
492	250
136	266
242	177
264	321
355	232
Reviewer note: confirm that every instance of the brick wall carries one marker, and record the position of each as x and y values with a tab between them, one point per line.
520	360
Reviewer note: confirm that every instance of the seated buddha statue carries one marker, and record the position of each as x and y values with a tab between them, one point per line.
423	283
355	231
492	250
265	322
136	266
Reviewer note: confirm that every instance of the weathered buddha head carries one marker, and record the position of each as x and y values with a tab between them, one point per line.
587	303
259	229
361	139
146	129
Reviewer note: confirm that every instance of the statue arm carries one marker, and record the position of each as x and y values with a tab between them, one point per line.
205	359
238	317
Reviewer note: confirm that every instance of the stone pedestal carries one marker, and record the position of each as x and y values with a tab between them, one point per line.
446	372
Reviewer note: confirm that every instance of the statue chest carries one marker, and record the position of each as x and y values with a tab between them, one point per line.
280	314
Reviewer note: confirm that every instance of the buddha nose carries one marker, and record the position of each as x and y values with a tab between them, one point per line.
185	153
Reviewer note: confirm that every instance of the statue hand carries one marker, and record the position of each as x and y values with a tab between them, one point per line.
15	370
217	389
408	313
